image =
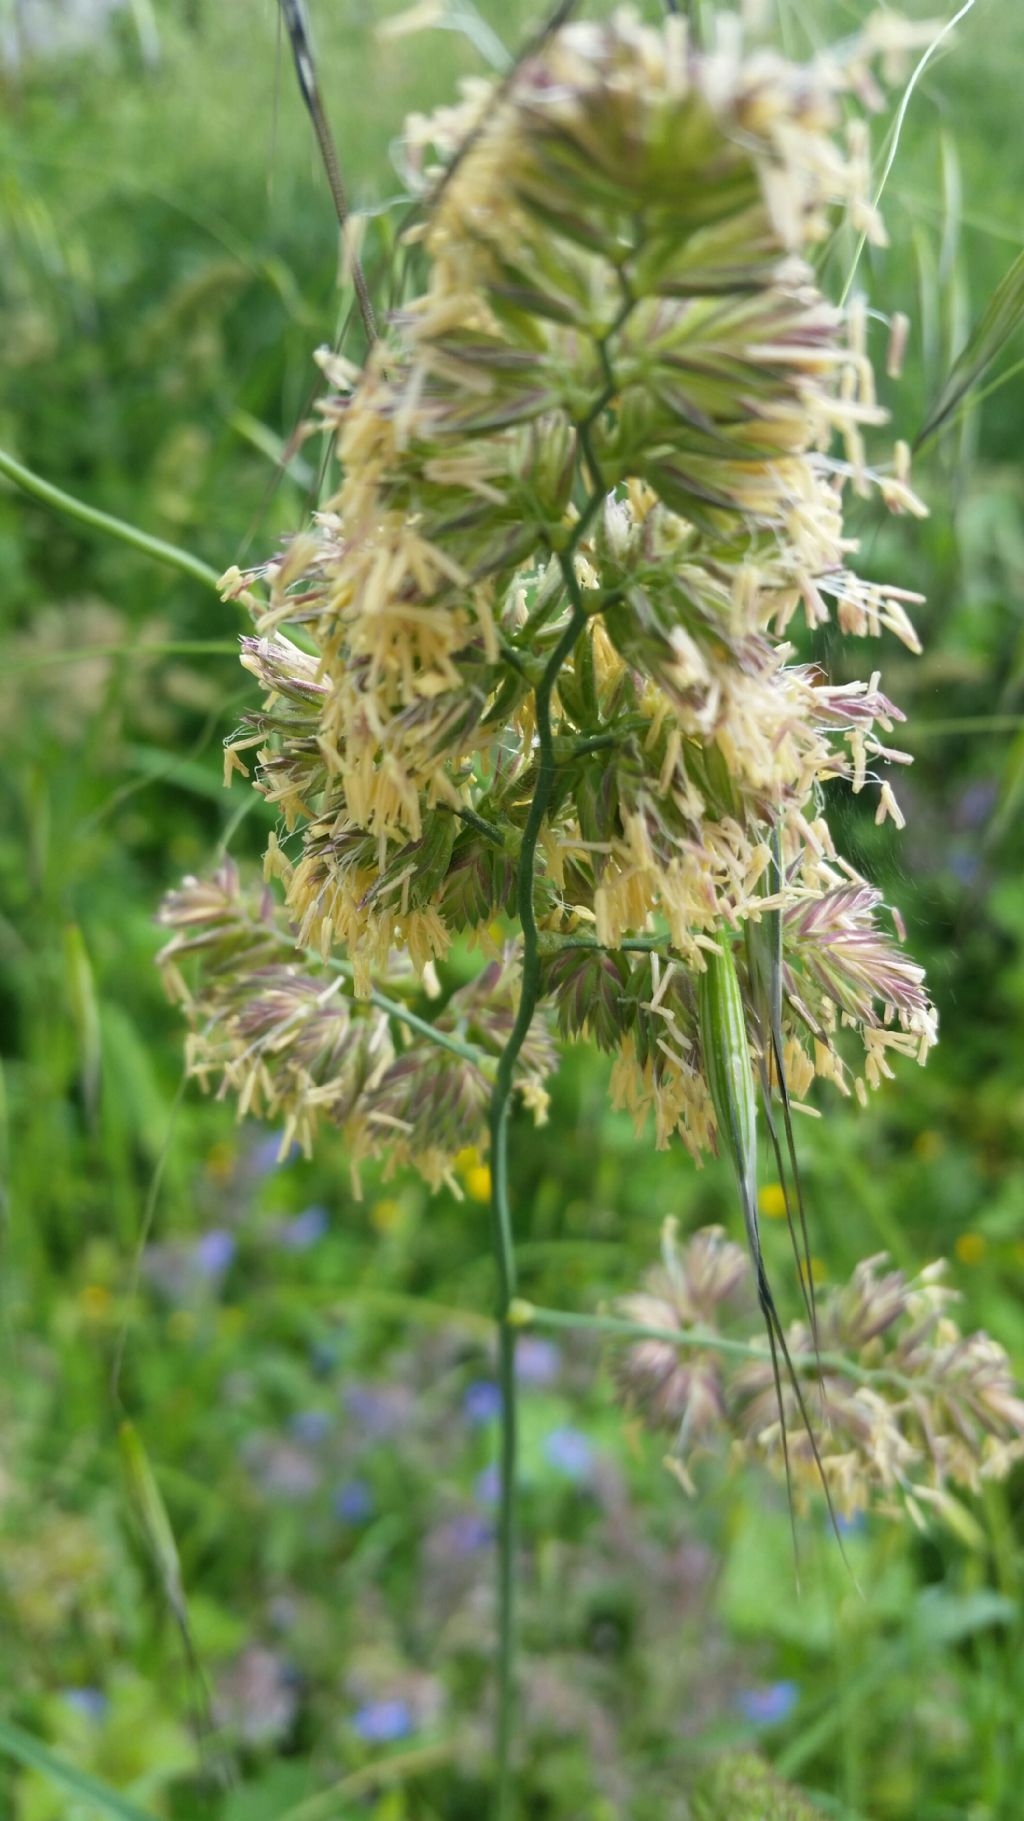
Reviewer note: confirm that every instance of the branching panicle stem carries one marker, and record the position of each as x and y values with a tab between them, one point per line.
104	522
501	1099
309	88
504	1245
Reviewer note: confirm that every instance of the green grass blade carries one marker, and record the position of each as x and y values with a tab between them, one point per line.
85	1016
1003	316
59	501
386	1773
25	1749
152	1515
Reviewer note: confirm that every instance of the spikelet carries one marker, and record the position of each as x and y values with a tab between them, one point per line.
915	1407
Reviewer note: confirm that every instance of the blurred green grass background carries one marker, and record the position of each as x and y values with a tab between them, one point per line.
309	1374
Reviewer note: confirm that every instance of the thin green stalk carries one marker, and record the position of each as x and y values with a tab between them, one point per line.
504	1247
896	133
117	528
82	654
552	943
501	1098
472	820
383	1775
528	1315
84	1790
309	89
394	1009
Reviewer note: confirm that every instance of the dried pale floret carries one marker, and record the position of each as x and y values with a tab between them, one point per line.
273	1026
906	1405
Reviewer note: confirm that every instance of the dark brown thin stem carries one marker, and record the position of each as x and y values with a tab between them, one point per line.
305	70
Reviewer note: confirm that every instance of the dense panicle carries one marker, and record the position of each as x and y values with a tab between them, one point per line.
273	1025
915	1407
620	403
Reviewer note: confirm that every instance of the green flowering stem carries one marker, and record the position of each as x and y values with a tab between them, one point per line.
370	1777
504	1245
59	501
394	1009
598	742
528	1315
524	1314
501	1099
489	830
83	654
553	944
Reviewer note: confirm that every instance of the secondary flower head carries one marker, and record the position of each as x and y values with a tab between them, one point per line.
907	1405
286	1038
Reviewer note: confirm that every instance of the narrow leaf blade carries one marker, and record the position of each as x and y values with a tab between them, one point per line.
1004	314
26	1749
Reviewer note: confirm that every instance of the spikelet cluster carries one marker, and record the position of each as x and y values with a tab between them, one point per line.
908	1405
278	1030
622	393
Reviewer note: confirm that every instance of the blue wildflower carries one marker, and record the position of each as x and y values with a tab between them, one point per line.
324	1356
767	1705
353	1502
465	1533
487	1486
963	865
303	1231
214	1252
91	1703
379	1410
538	1360
382	1722
281	1468
570	1452
263	1158
310	1426
482	1402
976	803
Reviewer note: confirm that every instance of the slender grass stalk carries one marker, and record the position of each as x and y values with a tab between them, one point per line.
305	71
156	547
395	1009
445	1040
501	1217
81	654
527	1315
503	1237
897	132
79	1785
145	1228
979	723
634	945
383	1775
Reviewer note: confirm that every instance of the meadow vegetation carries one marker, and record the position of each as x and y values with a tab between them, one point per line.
248	1482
